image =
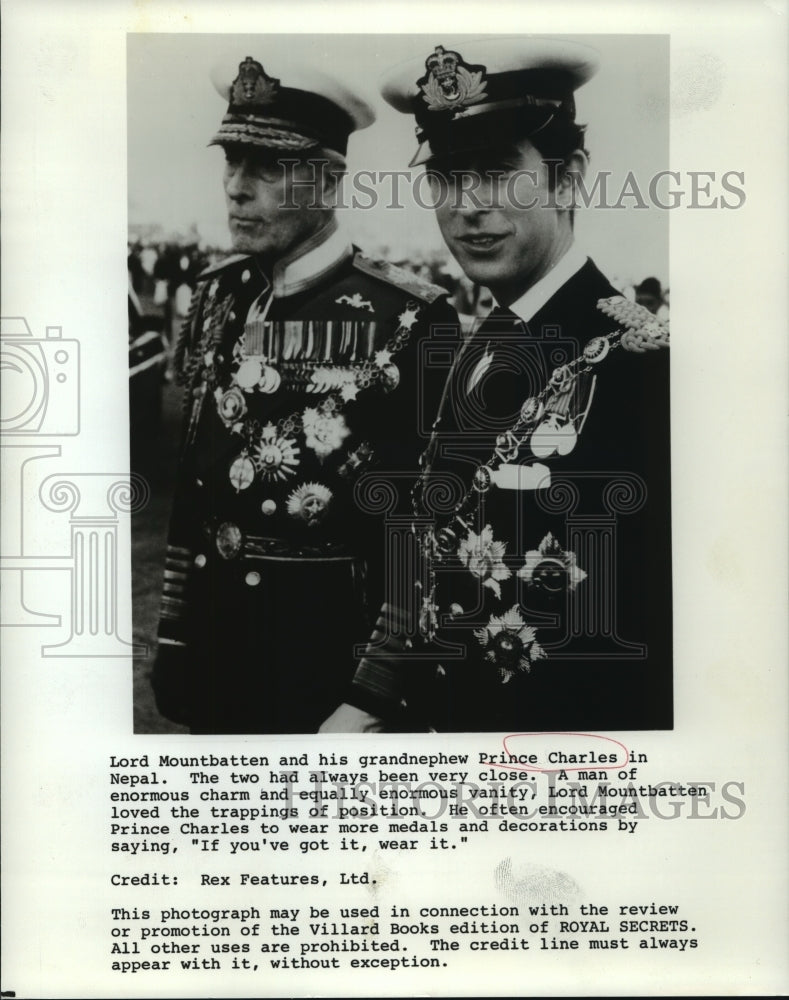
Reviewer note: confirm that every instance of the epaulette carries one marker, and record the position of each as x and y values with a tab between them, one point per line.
641	329
407	281
223	265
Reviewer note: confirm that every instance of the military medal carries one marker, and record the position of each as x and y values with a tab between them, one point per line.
309	502
254	373
228	540
510	644
355	460
328	379
249	373
270	379
276	456
230	405
390	375
324	432
550	576
484	558
242	473
549	568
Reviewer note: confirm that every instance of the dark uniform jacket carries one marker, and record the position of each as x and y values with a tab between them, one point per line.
552	599
301	427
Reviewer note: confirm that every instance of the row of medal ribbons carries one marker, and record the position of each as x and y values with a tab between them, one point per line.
337	341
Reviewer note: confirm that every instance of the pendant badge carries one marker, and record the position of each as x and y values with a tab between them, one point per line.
242	473
555	435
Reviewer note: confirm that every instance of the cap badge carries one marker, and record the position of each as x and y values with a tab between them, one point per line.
252	86
450	82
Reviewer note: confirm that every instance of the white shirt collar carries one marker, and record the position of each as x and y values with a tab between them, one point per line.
529	304
311	260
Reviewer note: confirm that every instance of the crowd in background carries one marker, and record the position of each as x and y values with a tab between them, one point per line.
163	274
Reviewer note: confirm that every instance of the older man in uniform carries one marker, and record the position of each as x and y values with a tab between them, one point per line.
299	360
546	583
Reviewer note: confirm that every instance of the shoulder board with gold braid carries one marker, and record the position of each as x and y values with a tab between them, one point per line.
407	281
222	265
641	330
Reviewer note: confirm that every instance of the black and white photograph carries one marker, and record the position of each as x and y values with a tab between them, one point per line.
413	371
394	500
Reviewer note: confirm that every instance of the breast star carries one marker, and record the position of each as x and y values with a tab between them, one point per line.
407	318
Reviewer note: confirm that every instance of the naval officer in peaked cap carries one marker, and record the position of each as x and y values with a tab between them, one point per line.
298	361
546	586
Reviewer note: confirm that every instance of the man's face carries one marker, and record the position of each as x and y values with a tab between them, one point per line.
498	215
269	212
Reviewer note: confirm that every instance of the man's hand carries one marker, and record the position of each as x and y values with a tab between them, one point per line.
347	719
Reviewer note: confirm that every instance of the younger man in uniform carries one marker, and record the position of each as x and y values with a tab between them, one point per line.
546	583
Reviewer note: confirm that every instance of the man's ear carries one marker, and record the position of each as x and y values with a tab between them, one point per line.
333	177
574	171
